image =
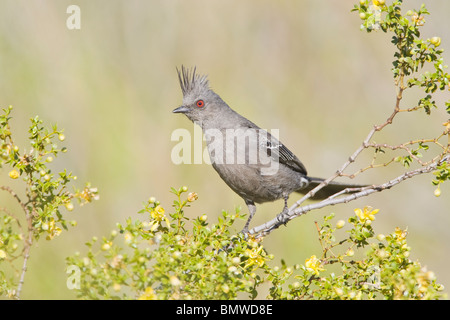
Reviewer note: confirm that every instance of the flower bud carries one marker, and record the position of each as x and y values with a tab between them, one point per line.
437	192
436	41
381	237
339	291
340	224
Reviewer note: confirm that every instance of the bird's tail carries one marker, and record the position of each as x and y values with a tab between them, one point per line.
327	191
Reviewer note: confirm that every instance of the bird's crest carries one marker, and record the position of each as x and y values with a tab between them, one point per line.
190	80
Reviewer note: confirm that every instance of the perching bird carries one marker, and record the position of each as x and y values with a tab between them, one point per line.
252	162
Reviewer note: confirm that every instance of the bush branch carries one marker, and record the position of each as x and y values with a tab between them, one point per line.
296	211
27	242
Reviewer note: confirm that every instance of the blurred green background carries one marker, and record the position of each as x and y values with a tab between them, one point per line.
303	67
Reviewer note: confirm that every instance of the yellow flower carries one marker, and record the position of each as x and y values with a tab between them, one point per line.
378	2
255	256
88	194
420	21
52	229
14	174
157	214
192	197
2	254
148	294
400	234
313	264
366	214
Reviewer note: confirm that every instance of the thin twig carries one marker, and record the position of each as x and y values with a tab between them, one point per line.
11	191
358	151
27	242
294	211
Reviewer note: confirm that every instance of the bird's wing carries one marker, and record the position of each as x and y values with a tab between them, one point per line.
276	150
280	152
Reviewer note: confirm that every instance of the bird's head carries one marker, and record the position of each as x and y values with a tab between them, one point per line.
200	103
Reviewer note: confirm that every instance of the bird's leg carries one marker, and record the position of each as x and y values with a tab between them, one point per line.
251	209
282	215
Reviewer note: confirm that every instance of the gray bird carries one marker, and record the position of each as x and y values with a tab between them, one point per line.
251	161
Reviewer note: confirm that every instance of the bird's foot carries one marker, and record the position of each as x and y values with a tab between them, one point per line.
245	232
282	216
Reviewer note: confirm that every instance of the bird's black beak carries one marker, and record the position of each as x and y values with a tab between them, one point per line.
182	109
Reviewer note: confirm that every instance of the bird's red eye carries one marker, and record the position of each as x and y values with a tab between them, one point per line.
200	103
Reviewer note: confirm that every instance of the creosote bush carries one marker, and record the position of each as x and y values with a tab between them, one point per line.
166	256
44	198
